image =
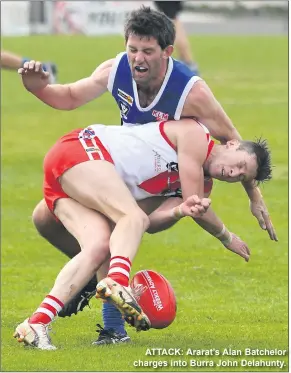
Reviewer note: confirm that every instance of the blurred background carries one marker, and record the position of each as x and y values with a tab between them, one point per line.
107	17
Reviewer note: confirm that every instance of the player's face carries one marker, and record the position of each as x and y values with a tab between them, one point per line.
146	58
232	165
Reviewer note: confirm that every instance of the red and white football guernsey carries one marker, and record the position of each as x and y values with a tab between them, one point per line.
143	156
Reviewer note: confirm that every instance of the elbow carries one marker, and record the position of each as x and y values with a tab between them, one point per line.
151	230
61	107
69	108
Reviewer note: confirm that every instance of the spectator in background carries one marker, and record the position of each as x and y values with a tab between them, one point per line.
172	10
12	61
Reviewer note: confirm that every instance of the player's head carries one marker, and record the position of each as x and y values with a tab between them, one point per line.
242	161
149	37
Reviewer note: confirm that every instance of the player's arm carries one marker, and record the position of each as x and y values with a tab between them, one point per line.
165	212
192	149
202	104
164	216
172	210
65	96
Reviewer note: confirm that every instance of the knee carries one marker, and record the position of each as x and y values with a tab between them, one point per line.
97	252
145	220
42	218
140	218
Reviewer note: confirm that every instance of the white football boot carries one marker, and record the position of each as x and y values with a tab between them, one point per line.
35	335
122	297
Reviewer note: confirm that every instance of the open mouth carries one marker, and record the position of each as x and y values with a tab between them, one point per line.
141	69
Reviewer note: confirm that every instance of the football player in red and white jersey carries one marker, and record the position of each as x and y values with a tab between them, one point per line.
88	185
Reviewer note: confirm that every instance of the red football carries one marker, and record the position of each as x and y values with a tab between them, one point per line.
156	297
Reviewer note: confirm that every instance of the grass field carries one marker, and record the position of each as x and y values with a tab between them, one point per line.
223	302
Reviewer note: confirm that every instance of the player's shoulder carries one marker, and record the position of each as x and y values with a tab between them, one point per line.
199	100
190	123
185	127
104	66
191	136
199	92
181	67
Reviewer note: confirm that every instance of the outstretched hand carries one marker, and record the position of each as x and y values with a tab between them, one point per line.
239	247
260	211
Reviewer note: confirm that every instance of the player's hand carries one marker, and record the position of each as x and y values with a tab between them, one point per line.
260	211
34	78
194	206
238	247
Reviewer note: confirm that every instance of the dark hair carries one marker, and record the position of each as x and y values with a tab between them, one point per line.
146	22
263	154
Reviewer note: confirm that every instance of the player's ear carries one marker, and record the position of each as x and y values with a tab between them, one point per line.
232	143
168	51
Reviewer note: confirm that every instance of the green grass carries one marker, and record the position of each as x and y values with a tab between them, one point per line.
223	302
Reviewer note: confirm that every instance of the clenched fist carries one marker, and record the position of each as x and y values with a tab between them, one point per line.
193	207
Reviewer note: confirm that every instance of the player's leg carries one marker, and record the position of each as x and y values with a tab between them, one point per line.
58	236
54	231
113	330
96	184
172	9
82	223
183	46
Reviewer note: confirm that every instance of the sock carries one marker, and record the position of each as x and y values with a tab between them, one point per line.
112	318
47	310
119	269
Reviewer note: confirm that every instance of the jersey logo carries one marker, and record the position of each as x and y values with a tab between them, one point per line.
87	134
126	97
166	183
160	115
124	109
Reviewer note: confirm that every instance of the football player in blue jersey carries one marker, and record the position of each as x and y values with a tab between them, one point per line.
147	84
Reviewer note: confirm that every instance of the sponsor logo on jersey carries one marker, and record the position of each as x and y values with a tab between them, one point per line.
160	115
126	97
93	149
124	109
158	165
166	183
88	133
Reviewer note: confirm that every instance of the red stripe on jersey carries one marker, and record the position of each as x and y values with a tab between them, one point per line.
210	147
90	144
163	133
